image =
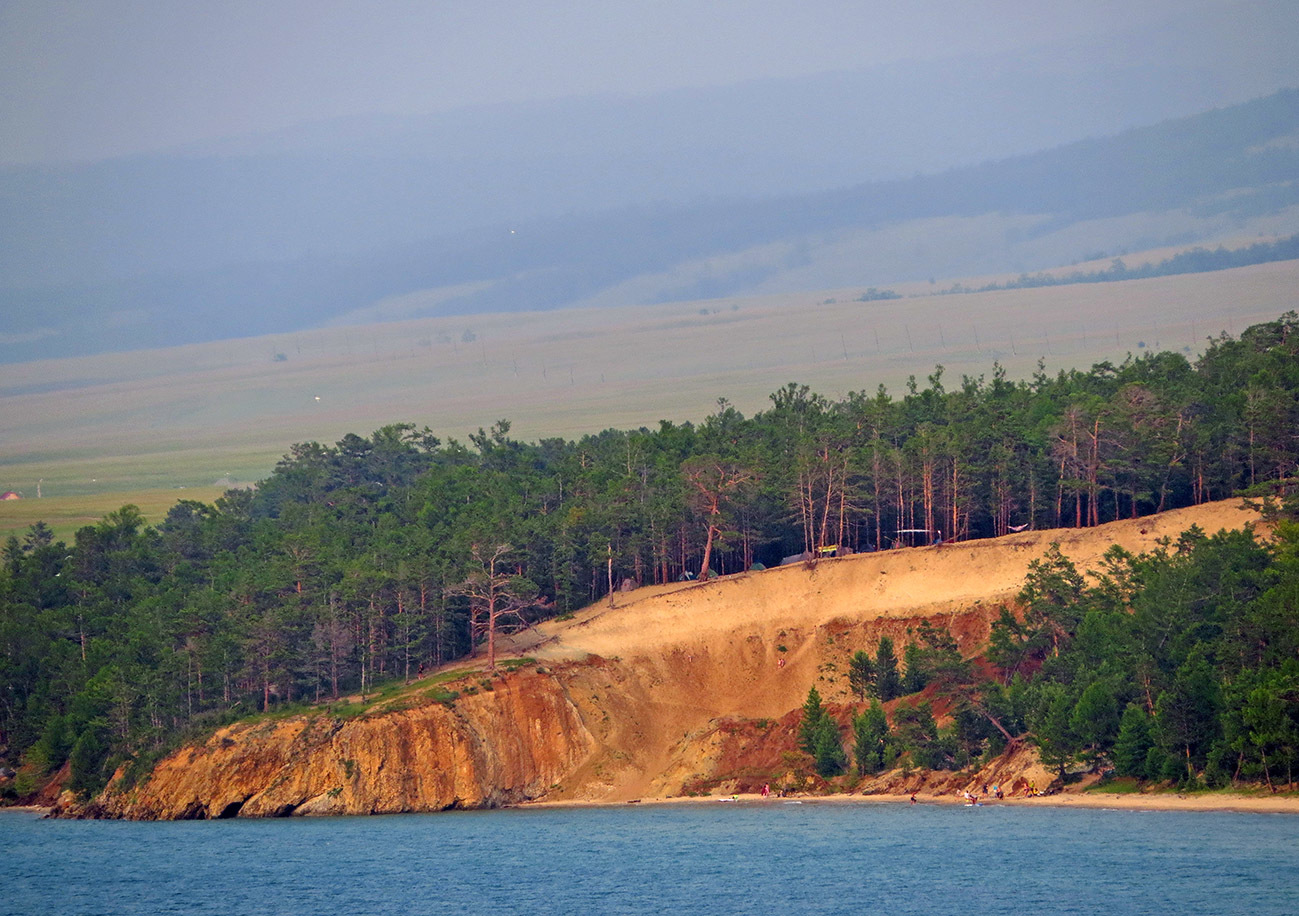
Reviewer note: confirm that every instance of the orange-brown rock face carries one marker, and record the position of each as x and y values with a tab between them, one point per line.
495	747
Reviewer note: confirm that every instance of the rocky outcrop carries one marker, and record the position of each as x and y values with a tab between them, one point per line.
498	746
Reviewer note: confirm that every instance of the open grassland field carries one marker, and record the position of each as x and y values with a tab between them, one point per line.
218	414
65	514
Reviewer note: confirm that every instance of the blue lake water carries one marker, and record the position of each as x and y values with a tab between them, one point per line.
708	858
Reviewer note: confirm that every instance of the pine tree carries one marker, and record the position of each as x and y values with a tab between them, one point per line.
1187	712
915	675
888	684
827	748
1050	723
861	674
813	713
916	733
1095	718
1133	742
870	738
87	762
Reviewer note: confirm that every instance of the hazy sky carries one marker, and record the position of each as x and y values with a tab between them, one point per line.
83	79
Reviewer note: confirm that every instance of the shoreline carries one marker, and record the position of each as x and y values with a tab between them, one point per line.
1128	801
1132	801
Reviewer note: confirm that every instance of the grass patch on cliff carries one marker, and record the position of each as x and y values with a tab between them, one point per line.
397	694
442	695
384	696
141	765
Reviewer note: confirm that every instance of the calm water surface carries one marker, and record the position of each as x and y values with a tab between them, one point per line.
707	858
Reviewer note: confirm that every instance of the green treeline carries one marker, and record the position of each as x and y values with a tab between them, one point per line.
374	558
1181	665
1196	260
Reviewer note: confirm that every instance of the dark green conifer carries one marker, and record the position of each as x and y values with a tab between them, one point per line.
813	713
861	674
1133	743
870	738
888	684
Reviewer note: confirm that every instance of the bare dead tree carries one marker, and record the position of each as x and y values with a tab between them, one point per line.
497	597
714	481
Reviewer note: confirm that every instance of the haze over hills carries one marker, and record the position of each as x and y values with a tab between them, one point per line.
682	195
660	300
1223	173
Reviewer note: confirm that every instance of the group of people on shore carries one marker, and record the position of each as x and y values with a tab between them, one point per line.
976	798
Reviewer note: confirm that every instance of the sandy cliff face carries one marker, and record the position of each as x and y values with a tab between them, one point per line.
694	686
495	747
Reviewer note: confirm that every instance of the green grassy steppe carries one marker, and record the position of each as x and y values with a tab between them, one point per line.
138	427
65	514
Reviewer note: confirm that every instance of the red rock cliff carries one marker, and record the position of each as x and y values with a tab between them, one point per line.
496	747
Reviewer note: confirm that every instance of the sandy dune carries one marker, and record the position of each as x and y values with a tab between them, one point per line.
925	581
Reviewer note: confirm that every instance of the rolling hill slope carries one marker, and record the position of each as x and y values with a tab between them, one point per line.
1224	173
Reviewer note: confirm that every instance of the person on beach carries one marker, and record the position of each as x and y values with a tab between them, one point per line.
913	798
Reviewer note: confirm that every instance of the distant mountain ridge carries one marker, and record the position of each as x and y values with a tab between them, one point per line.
1231	170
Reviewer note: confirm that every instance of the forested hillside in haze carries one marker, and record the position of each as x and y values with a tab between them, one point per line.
367	560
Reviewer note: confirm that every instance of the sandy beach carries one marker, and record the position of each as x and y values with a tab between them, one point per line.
1129	801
